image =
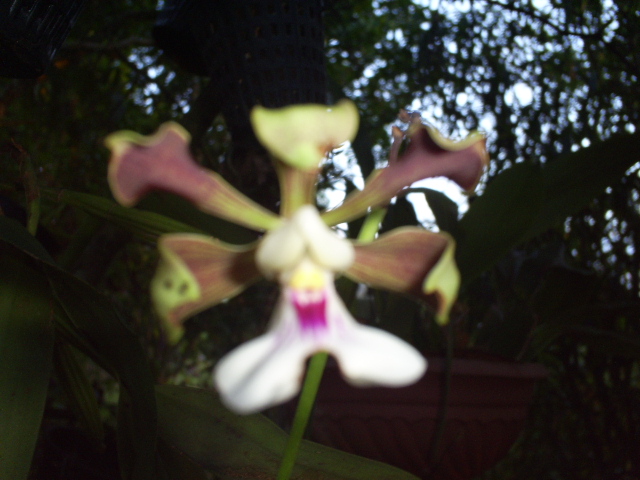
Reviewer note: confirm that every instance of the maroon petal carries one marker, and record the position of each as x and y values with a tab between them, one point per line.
428	155
162	162
399	260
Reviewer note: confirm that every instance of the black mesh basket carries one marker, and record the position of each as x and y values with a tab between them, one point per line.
267	52
180	30
31	31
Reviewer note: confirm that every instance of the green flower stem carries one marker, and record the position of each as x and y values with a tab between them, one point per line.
303	412
371	225
368	232
444	398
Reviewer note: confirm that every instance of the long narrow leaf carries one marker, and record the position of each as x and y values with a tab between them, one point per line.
573	180
26	348
239	447
78	389
444	210
104	328
158	214
524	201
98	328
147	224
498	220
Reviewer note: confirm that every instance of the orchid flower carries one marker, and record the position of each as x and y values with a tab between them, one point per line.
298	249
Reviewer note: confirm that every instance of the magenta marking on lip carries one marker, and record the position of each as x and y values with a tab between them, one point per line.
311	307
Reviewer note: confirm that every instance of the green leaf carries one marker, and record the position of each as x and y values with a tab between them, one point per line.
572	181
26	349
444	210
238	447
146	224
524	201
104	329
78	389
92	323
399	214
15	234
178	465
159	213
181	209
499	219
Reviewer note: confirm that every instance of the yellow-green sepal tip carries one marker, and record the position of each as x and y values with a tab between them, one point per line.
444	282
173	286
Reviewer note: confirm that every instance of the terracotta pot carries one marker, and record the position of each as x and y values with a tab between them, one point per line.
486	410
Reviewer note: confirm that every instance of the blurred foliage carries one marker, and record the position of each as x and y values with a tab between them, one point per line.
543	79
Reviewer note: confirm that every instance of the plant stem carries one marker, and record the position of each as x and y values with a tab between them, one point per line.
303	412
371	225
368	232
434	454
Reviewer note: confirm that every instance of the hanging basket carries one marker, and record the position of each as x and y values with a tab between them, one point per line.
31	31
266	52
180	30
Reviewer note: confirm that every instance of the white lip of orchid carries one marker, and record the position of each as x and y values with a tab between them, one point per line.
303	234
268	370
303	254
